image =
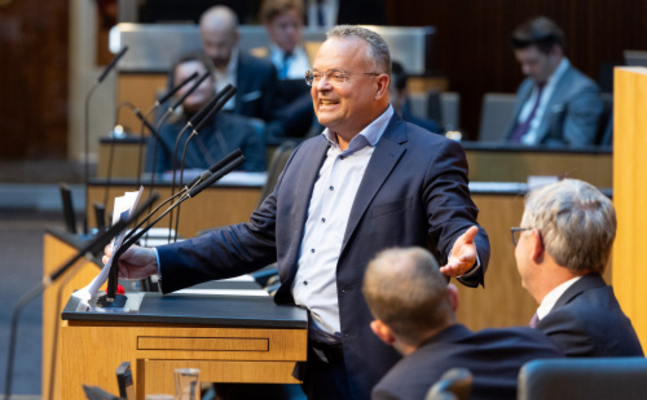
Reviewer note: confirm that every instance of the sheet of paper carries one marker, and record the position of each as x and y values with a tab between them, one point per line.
124	205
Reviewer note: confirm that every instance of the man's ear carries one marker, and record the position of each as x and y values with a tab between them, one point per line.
382	331
382	88
536	245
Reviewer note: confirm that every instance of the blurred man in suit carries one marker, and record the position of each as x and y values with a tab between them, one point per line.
223	134
562	248
254	78
414	312
401	103
556	104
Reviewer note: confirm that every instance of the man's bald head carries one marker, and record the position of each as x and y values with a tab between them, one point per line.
219	34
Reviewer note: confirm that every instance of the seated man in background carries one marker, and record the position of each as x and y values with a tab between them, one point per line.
414	311
283	21
556	104
223	134
400	99
562	248
254	78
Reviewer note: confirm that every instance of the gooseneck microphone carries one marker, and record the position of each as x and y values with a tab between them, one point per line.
103	75
111	292
207	116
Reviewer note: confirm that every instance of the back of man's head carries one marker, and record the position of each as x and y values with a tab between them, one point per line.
577	224
541	32
406	291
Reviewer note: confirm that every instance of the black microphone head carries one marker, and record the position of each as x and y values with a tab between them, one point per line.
205	175
112	64
175	89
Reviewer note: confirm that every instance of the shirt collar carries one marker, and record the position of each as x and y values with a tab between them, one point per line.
559	72
369	136
232	66
551	298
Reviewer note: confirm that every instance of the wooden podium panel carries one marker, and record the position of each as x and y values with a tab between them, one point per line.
630	192
90	353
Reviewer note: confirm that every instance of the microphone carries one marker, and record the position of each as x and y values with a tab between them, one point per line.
203	176
111	293
215	177
207	117
91	249
87	130
193	87
112	64
175	89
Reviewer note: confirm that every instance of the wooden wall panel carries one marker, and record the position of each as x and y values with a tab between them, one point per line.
33	78
472	46
630	175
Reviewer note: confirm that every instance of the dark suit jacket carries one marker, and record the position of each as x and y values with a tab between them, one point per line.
414	193
224	134
256	84
572	113
587	322
493	356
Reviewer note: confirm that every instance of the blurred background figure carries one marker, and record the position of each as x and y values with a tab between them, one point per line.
223	134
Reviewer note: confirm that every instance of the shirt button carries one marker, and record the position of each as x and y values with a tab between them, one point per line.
331	188
341	157
323	220
305	283
312	250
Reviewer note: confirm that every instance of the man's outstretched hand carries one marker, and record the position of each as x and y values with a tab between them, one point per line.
136	262
463	256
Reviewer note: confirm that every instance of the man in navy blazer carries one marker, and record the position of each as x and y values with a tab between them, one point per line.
556	104
414	312
369	182
254	78
562	248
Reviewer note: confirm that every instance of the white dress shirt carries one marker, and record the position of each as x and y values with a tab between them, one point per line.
551	298
228	76
298	62
530	138
315	283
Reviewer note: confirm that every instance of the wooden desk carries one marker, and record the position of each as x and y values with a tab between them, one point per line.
243	339
216	206
488	162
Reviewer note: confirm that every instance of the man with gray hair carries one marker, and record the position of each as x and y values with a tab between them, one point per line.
370	181
562	249
414	312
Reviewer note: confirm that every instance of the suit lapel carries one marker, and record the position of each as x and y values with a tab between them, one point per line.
522	96
387	152
586	282
308	172
557	98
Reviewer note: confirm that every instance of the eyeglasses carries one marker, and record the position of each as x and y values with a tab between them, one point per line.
516	234
334	76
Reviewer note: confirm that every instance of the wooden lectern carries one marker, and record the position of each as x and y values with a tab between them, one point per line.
242	339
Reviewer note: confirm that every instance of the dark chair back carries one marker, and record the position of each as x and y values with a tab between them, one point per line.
583	378
454	384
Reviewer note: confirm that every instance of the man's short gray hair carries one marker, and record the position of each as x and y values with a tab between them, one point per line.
577	224
378	50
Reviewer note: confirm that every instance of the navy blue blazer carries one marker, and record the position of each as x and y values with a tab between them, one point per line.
414	193
256	84
493	356
587	321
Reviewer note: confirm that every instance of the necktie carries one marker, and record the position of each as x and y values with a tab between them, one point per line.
534	321
523	127
320	13
283	73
